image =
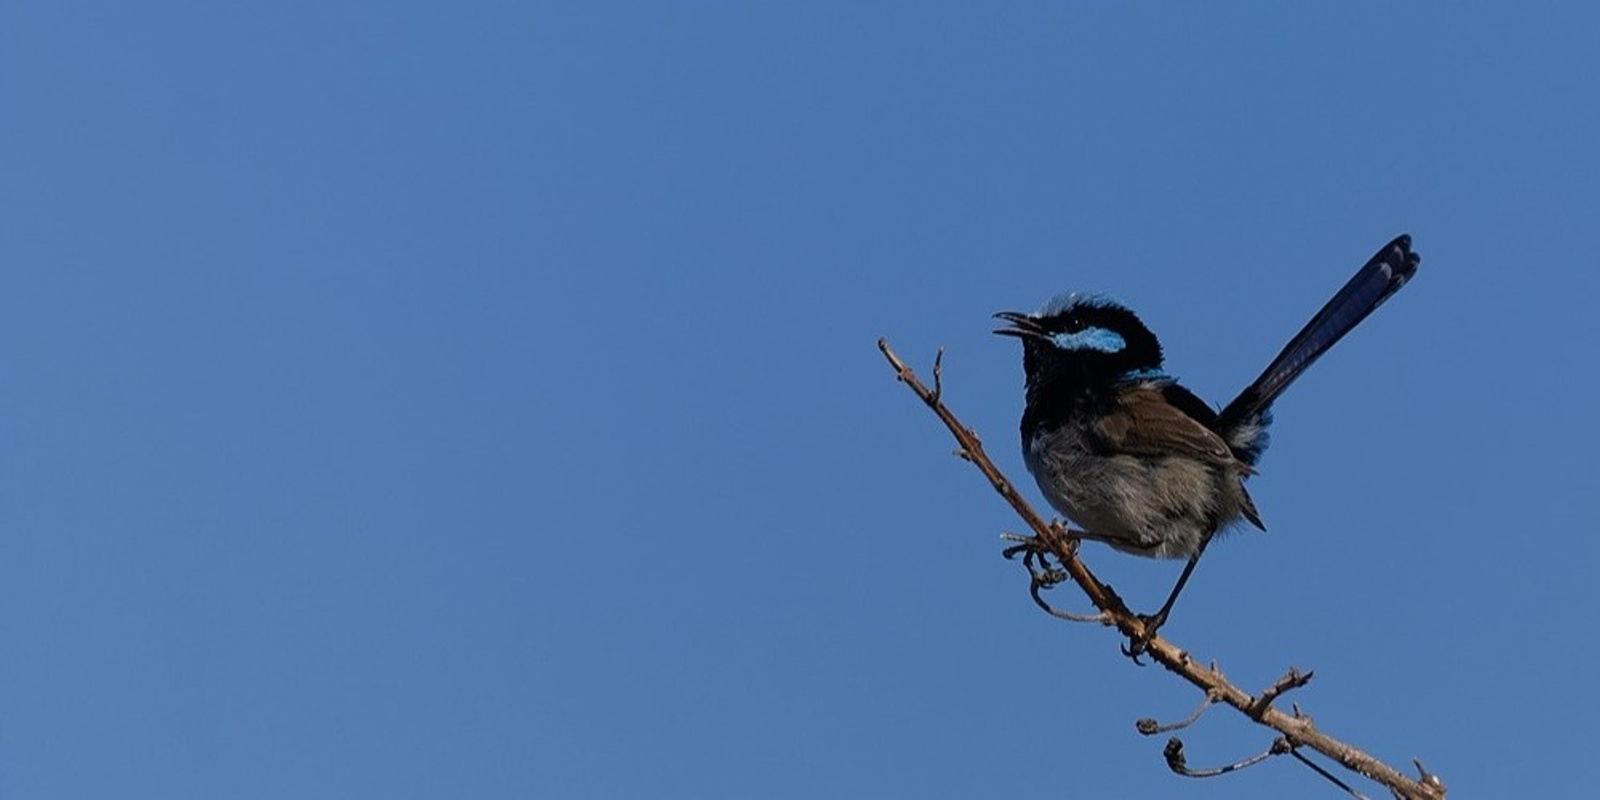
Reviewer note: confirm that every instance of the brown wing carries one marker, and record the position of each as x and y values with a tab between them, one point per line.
1144	423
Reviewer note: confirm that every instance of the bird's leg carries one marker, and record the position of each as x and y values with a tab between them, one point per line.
1154	622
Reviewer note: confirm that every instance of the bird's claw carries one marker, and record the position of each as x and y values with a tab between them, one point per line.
1036	558
1139	643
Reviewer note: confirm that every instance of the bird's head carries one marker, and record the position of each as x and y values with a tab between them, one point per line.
1082	337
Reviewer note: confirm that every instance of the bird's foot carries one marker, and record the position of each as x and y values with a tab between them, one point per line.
1140	642
1037	557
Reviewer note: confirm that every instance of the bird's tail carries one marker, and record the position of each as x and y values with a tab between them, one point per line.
1381	277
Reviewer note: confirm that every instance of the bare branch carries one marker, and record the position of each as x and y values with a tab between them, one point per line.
1056	543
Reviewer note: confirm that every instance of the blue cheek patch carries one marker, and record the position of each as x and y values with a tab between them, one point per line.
1098	339
1146	375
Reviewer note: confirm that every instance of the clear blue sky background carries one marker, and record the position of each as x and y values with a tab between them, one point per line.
480	399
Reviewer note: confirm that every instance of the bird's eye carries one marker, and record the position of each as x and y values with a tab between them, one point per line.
1075	324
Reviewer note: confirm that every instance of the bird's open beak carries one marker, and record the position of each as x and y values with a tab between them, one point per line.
1023	326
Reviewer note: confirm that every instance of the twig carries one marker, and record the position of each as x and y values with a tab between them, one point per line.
1427	777
1334	779
1062	546
1150	727
1293	679
1176	762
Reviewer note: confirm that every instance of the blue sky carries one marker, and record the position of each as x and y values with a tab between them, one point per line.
480	399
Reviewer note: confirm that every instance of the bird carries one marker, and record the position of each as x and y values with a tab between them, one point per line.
1131	456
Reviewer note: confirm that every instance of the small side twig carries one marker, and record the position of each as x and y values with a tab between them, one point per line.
1177	763
1293	679
1043	576
1428	778
1317	768
1150	727
1038	599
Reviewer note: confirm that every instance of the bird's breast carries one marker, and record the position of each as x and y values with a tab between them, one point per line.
1159	506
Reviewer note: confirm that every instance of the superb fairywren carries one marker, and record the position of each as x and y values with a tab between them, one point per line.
1134	458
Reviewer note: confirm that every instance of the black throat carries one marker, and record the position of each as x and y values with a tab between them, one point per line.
1064	385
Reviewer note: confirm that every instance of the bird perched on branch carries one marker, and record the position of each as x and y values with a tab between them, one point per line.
1134	458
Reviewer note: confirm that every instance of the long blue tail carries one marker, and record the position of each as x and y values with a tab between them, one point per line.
1372	284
